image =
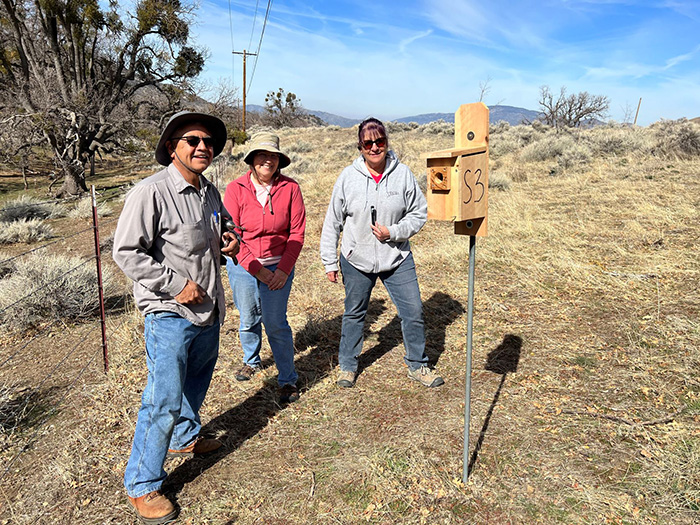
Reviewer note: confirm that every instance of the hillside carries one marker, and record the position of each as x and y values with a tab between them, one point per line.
512	115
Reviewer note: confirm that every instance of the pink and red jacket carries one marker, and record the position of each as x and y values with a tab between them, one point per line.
273	230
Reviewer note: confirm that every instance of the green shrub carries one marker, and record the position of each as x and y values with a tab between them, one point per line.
59	287
32	230
148	137
238	136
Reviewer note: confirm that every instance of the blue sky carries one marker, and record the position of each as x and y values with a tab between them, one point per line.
395	59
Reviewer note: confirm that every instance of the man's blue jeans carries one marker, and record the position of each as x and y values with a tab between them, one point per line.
258	305
180	358
402	285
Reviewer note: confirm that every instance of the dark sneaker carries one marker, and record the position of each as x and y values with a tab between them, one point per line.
346	379
199	447
288	394
154	508
245	373
425	376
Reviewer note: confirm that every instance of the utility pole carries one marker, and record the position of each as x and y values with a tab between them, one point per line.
244	56
637	114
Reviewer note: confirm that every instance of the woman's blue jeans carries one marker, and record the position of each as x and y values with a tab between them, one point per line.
258	305
402	285
180	358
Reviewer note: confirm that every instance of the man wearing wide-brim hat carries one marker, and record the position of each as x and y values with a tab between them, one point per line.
169	242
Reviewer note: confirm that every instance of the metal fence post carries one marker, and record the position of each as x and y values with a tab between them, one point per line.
468	387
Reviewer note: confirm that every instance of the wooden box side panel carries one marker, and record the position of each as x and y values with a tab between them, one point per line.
471	125
443	204
474	186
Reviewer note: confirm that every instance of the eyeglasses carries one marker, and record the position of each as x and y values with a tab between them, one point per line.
380	142
194	140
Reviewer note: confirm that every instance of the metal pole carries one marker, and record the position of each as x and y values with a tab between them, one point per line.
468	381
99	279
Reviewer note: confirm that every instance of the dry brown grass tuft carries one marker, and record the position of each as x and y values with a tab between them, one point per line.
585	401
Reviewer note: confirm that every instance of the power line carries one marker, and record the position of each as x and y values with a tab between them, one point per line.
262	33
233	59
255	19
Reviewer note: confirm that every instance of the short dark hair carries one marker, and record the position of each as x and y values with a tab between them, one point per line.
370	124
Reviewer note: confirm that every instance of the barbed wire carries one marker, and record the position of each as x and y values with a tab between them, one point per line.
47	244
2	311
53	410
34	338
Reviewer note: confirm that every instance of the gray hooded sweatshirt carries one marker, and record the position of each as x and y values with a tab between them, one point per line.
399	204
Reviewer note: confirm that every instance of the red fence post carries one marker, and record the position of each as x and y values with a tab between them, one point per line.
99	280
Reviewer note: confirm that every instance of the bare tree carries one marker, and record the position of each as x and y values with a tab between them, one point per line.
78	70
484	88
17	141
225	103
570	111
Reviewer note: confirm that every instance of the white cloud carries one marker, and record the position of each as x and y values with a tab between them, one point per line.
406	41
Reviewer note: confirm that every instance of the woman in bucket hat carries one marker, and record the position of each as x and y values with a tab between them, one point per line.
269	208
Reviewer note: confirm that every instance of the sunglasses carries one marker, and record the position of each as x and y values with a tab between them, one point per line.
193	140
380	142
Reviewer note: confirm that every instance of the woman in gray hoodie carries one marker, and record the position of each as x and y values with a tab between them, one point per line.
378	206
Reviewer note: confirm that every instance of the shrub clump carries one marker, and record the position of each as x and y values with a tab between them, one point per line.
510	139
498	181
25	208
398	127
47	287
438	127
83	210
300	146
32	230
616	140
562	147
676	139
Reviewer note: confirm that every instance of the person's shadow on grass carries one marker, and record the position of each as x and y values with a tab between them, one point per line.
246	419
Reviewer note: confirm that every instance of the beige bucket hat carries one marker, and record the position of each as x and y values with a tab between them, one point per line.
265	141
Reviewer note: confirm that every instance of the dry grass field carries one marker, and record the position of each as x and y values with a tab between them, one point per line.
586	353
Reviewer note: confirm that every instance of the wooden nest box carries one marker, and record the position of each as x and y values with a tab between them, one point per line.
458	181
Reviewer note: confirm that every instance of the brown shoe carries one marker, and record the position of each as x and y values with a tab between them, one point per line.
245	373
199	446
154	508
289	394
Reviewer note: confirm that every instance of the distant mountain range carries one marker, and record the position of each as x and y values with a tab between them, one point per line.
510	114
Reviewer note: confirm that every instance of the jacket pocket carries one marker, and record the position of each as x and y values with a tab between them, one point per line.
362	257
